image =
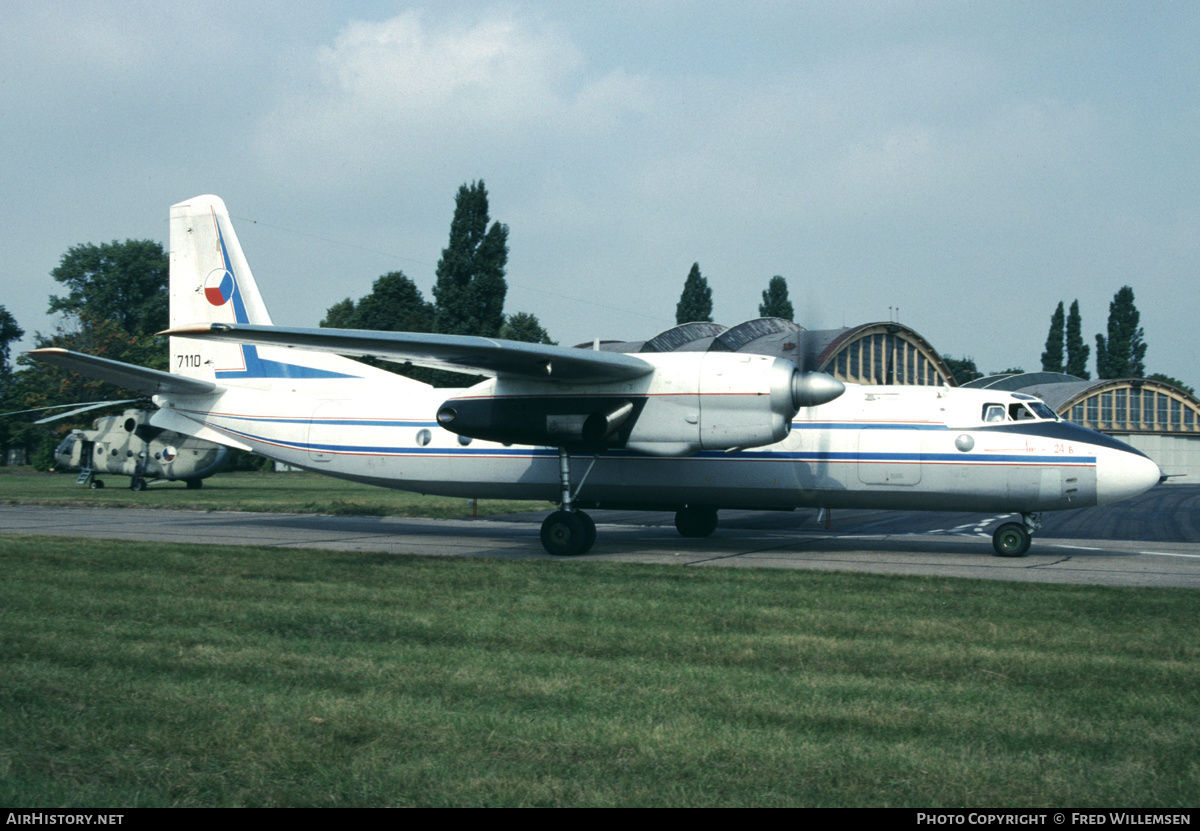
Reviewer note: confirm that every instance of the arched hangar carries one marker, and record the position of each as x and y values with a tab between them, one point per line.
1160	419
872	353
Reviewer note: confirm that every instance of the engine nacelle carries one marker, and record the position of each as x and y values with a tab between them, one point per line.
691	401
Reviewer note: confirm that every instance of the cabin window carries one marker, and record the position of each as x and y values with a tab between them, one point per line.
424	437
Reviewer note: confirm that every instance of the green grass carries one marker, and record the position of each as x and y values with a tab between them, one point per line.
149	675
273	492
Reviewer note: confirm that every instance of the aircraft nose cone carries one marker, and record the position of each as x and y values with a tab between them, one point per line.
1121	474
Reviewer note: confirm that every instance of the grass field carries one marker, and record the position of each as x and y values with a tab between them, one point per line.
146	675
275	492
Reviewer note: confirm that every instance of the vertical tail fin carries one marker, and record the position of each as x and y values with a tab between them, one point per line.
210	278
211	282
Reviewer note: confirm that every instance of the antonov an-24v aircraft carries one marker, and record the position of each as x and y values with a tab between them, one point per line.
691	432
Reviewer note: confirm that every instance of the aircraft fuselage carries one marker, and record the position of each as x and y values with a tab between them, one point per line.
873	447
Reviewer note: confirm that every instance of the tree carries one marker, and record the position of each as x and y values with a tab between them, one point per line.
526	328
775	300
470	288
9	332
1052	358
695	304
963	370
395	304
1077	350
1122	353
1167	379
341	315
121	282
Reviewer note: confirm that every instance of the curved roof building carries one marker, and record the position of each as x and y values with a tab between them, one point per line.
873	353
1160	419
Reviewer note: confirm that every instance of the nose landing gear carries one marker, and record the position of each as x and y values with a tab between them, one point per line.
1012	539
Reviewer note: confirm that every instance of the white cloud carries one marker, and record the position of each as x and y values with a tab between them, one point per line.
396	97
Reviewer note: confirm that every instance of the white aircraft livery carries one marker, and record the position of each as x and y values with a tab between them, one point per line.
691	432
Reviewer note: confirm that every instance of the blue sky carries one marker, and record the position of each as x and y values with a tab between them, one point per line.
969	163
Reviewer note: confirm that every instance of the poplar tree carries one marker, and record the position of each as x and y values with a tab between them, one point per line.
1122	354
470	288
1077	350
1052	358
695	304
775	300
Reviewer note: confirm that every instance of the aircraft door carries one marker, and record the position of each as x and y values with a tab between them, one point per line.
1035	484
322	431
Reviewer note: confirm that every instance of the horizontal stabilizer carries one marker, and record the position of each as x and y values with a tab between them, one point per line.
128	376
462	353
172	420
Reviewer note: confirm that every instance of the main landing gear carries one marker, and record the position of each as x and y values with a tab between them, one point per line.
568	532
696	521
1012	539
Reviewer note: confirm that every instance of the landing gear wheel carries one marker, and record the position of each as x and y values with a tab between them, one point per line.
568	533
96	484
195	484
137	484
1011	540
696	521
589	531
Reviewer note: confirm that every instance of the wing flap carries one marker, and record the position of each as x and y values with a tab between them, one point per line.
482	356
128	376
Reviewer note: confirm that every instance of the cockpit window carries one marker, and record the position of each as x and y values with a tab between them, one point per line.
1029	410
1042	411
1019	412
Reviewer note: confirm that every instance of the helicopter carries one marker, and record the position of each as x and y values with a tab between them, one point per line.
129	445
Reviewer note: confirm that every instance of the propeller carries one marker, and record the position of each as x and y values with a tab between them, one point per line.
90	405
809	387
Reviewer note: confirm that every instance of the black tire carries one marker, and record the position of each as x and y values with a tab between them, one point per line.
96	484
138	484
194	484
1011	540
565	534
589	531
696	521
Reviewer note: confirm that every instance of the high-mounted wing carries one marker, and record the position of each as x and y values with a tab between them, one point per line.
481	356
130	377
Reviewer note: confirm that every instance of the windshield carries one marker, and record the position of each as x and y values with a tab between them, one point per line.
1031	410
1042	410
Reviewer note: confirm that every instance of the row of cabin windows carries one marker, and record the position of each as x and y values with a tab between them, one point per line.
885	359
1135	409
